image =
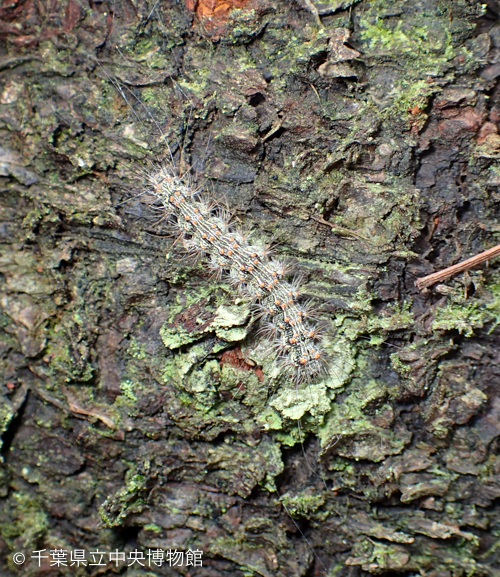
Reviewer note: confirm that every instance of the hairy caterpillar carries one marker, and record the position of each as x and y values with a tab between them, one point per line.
207	232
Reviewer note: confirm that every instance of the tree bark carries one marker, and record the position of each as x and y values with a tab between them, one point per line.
142	410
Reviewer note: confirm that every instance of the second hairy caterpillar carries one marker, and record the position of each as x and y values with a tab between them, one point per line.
207	232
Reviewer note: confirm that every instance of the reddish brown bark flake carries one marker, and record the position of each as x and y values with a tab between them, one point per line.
234	357
214	13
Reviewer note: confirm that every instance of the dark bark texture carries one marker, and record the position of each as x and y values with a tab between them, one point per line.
141	409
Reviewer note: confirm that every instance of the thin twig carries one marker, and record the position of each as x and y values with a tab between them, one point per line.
151	13
426	281
316	92
314	11
340	229
274	130
303	536
16	61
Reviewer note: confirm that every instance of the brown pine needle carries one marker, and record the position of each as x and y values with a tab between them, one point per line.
426	281
339	229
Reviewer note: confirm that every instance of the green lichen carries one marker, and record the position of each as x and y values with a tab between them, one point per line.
152	527
426	47
400	367
270	419
399	318
127	387
493	307
194	377
463	318
377	556
303	503
29	522
136	350
6	416
127	500
293	403
242	25
412	95
423	46
226	320
244	386
352	427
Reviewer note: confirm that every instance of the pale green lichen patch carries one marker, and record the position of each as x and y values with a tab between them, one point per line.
246	556
303	503
293	403
136	350
341	361
230	320
239	468
189	373
270	419
271	452
379	220
360	427
127	500
243	25
127	386
467	315
376	556
432	45
6	415
425	40
463	318
277	402
28	523
203	317
401	368
493	307
397	317
244	385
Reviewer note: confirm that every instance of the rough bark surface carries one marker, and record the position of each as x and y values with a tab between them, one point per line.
140	408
